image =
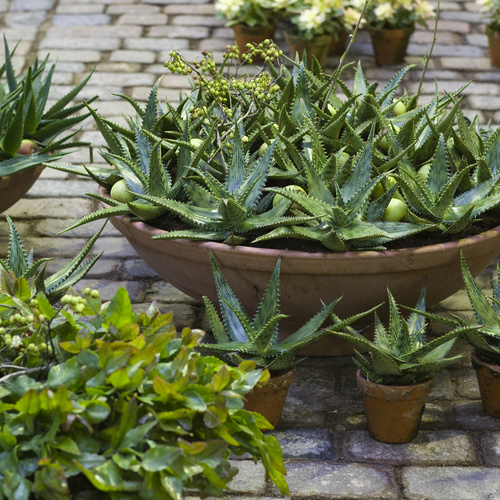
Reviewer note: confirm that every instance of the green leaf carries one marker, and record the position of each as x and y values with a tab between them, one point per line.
119	312
160	457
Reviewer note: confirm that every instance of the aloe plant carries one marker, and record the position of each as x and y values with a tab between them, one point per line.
239	337
399	353
20	264
210	168
29	134
485	338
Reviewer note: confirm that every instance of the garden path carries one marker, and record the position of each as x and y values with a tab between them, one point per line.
323	433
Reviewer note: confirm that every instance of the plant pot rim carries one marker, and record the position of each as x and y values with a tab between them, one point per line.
375	30
478	362
151	230
360	375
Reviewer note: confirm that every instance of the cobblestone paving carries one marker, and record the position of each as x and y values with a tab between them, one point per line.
323	432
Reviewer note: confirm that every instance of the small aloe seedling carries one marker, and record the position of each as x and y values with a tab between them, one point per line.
399	353
241	338
22	265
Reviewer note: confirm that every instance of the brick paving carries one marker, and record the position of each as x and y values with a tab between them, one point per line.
323	433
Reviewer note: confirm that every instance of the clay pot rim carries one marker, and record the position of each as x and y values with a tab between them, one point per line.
376	31
412	387
33	170
478	363
282	377
146	228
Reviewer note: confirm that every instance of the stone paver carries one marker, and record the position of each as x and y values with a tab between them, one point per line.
428	448
328	450
451	483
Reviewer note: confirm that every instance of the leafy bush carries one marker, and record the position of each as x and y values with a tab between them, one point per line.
97	397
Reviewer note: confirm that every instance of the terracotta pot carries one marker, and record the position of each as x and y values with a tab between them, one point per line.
14	187
337	45
244	34
393	413
494	46
269	400
306	279
390	46
488	378
317	47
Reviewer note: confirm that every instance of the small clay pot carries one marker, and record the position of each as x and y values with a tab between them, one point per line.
494	46
393	413
269	400
488	378
318	47
14	187
337	45
390	45
244	34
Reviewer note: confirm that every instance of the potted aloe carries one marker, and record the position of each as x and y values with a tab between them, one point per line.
20	264
239	338
30	135
253	21
485	340
278	165
397	375
99	400
492	8
312	25
391	23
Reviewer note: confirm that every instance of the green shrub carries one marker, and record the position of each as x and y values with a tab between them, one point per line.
96	397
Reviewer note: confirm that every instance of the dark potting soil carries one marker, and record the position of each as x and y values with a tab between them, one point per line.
418	240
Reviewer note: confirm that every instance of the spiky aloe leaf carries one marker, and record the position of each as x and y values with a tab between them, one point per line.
399	354
22	265
105	213
483	310
17	258
56	285
229	304
25	162
13	133
240	338
218	330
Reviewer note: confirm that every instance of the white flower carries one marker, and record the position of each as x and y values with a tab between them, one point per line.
423	9
384	11
484	4
229	8
405	4
351	16
312	18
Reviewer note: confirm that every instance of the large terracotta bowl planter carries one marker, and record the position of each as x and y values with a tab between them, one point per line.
361	278
14	187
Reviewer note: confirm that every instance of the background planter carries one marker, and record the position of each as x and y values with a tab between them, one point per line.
494	46
306	279
317	47
244	34
389	46
14	187
338	43
269	400
488	377
393	413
